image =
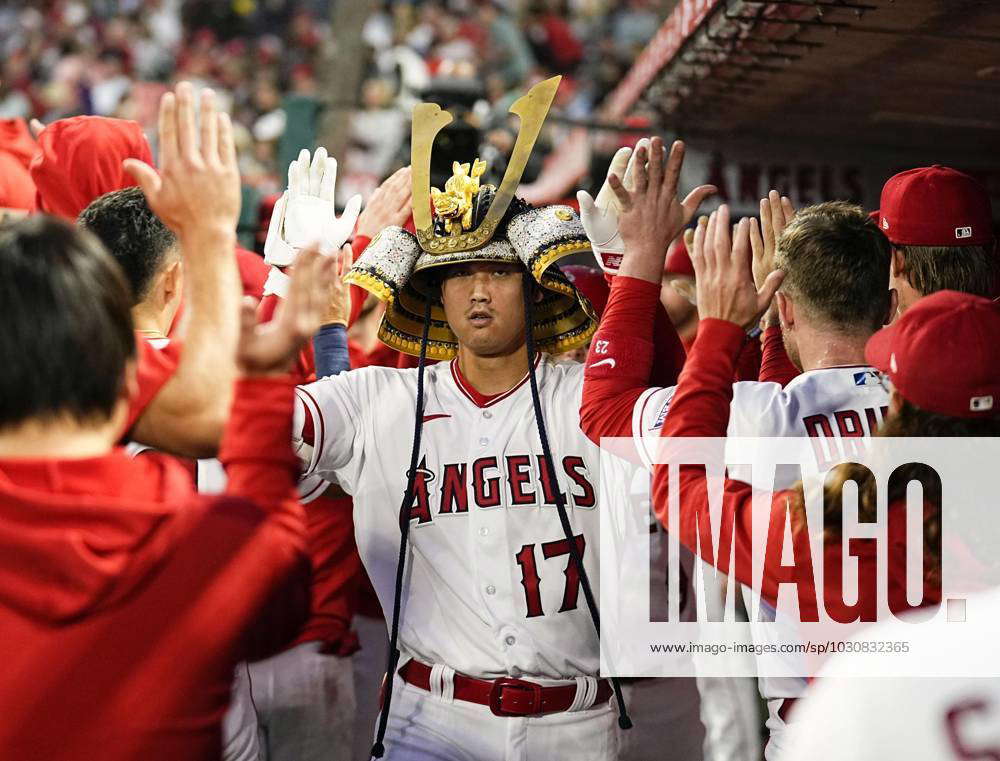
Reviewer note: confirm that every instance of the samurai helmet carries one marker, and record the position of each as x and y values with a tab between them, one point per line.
470	222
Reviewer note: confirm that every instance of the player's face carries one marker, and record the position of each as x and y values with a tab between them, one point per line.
484	304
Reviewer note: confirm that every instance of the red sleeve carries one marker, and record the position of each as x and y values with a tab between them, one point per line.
253	272
620	361
775	365
305	362
153	369
748	363
700	408
358	294
260	465
668	351
336	575
256	447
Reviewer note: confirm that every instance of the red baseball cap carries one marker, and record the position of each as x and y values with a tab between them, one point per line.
591	283
942	356
935	206
678	260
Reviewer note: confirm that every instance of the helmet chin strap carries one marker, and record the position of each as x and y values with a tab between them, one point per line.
378	749
623	718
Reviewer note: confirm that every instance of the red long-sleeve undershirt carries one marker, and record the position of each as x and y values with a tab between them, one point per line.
636	333
775	365
700	408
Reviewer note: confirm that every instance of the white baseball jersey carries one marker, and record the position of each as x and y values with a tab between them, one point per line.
490	589
920	719
829	403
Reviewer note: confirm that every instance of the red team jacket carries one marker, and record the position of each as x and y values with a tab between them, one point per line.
126	599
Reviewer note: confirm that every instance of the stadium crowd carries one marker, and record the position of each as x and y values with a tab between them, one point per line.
191	434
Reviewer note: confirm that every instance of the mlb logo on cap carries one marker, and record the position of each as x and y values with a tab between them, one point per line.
935	206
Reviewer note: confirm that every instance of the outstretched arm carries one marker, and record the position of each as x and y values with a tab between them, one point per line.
775	214
256	449
621	358
727	303
196	194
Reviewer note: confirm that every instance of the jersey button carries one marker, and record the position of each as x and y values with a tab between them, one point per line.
484	441
510	640
484	531
487	414
491	590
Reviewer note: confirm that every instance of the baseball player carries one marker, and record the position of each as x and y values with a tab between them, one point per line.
127	598
498	654
940	388
834	296
939	223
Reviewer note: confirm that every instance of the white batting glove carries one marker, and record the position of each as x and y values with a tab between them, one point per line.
306	213
600	215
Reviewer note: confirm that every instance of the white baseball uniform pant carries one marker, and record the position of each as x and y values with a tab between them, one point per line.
425	726
301	708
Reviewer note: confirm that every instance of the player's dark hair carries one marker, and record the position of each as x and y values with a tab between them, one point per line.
67	327
132	233
969	269
836	261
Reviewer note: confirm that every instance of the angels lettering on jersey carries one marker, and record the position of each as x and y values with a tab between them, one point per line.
509	481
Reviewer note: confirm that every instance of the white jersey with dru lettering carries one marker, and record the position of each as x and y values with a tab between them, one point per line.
836	403
490	589
828	403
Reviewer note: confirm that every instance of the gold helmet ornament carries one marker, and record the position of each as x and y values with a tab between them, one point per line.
398	267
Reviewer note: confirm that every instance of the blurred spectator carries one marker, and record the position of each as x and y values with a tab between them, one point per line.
267	62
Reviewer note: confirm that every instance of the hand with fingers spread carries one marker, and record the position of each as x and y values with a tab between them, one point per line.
776	213
389	206
600	215
270	348
651	213
306	212
723	276
339	302
198	184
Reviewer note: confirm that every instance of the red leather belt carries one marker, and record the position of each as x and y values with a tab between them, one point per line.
505	696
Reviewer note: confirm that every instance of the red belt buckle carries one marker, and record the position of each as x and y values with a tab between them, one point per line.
515	685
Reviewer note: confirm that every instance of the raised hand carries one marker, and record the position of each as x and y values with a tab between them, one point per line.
389	206
339	302
776	212
723	276
270	348
600	215
651	214
306	212
197	188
